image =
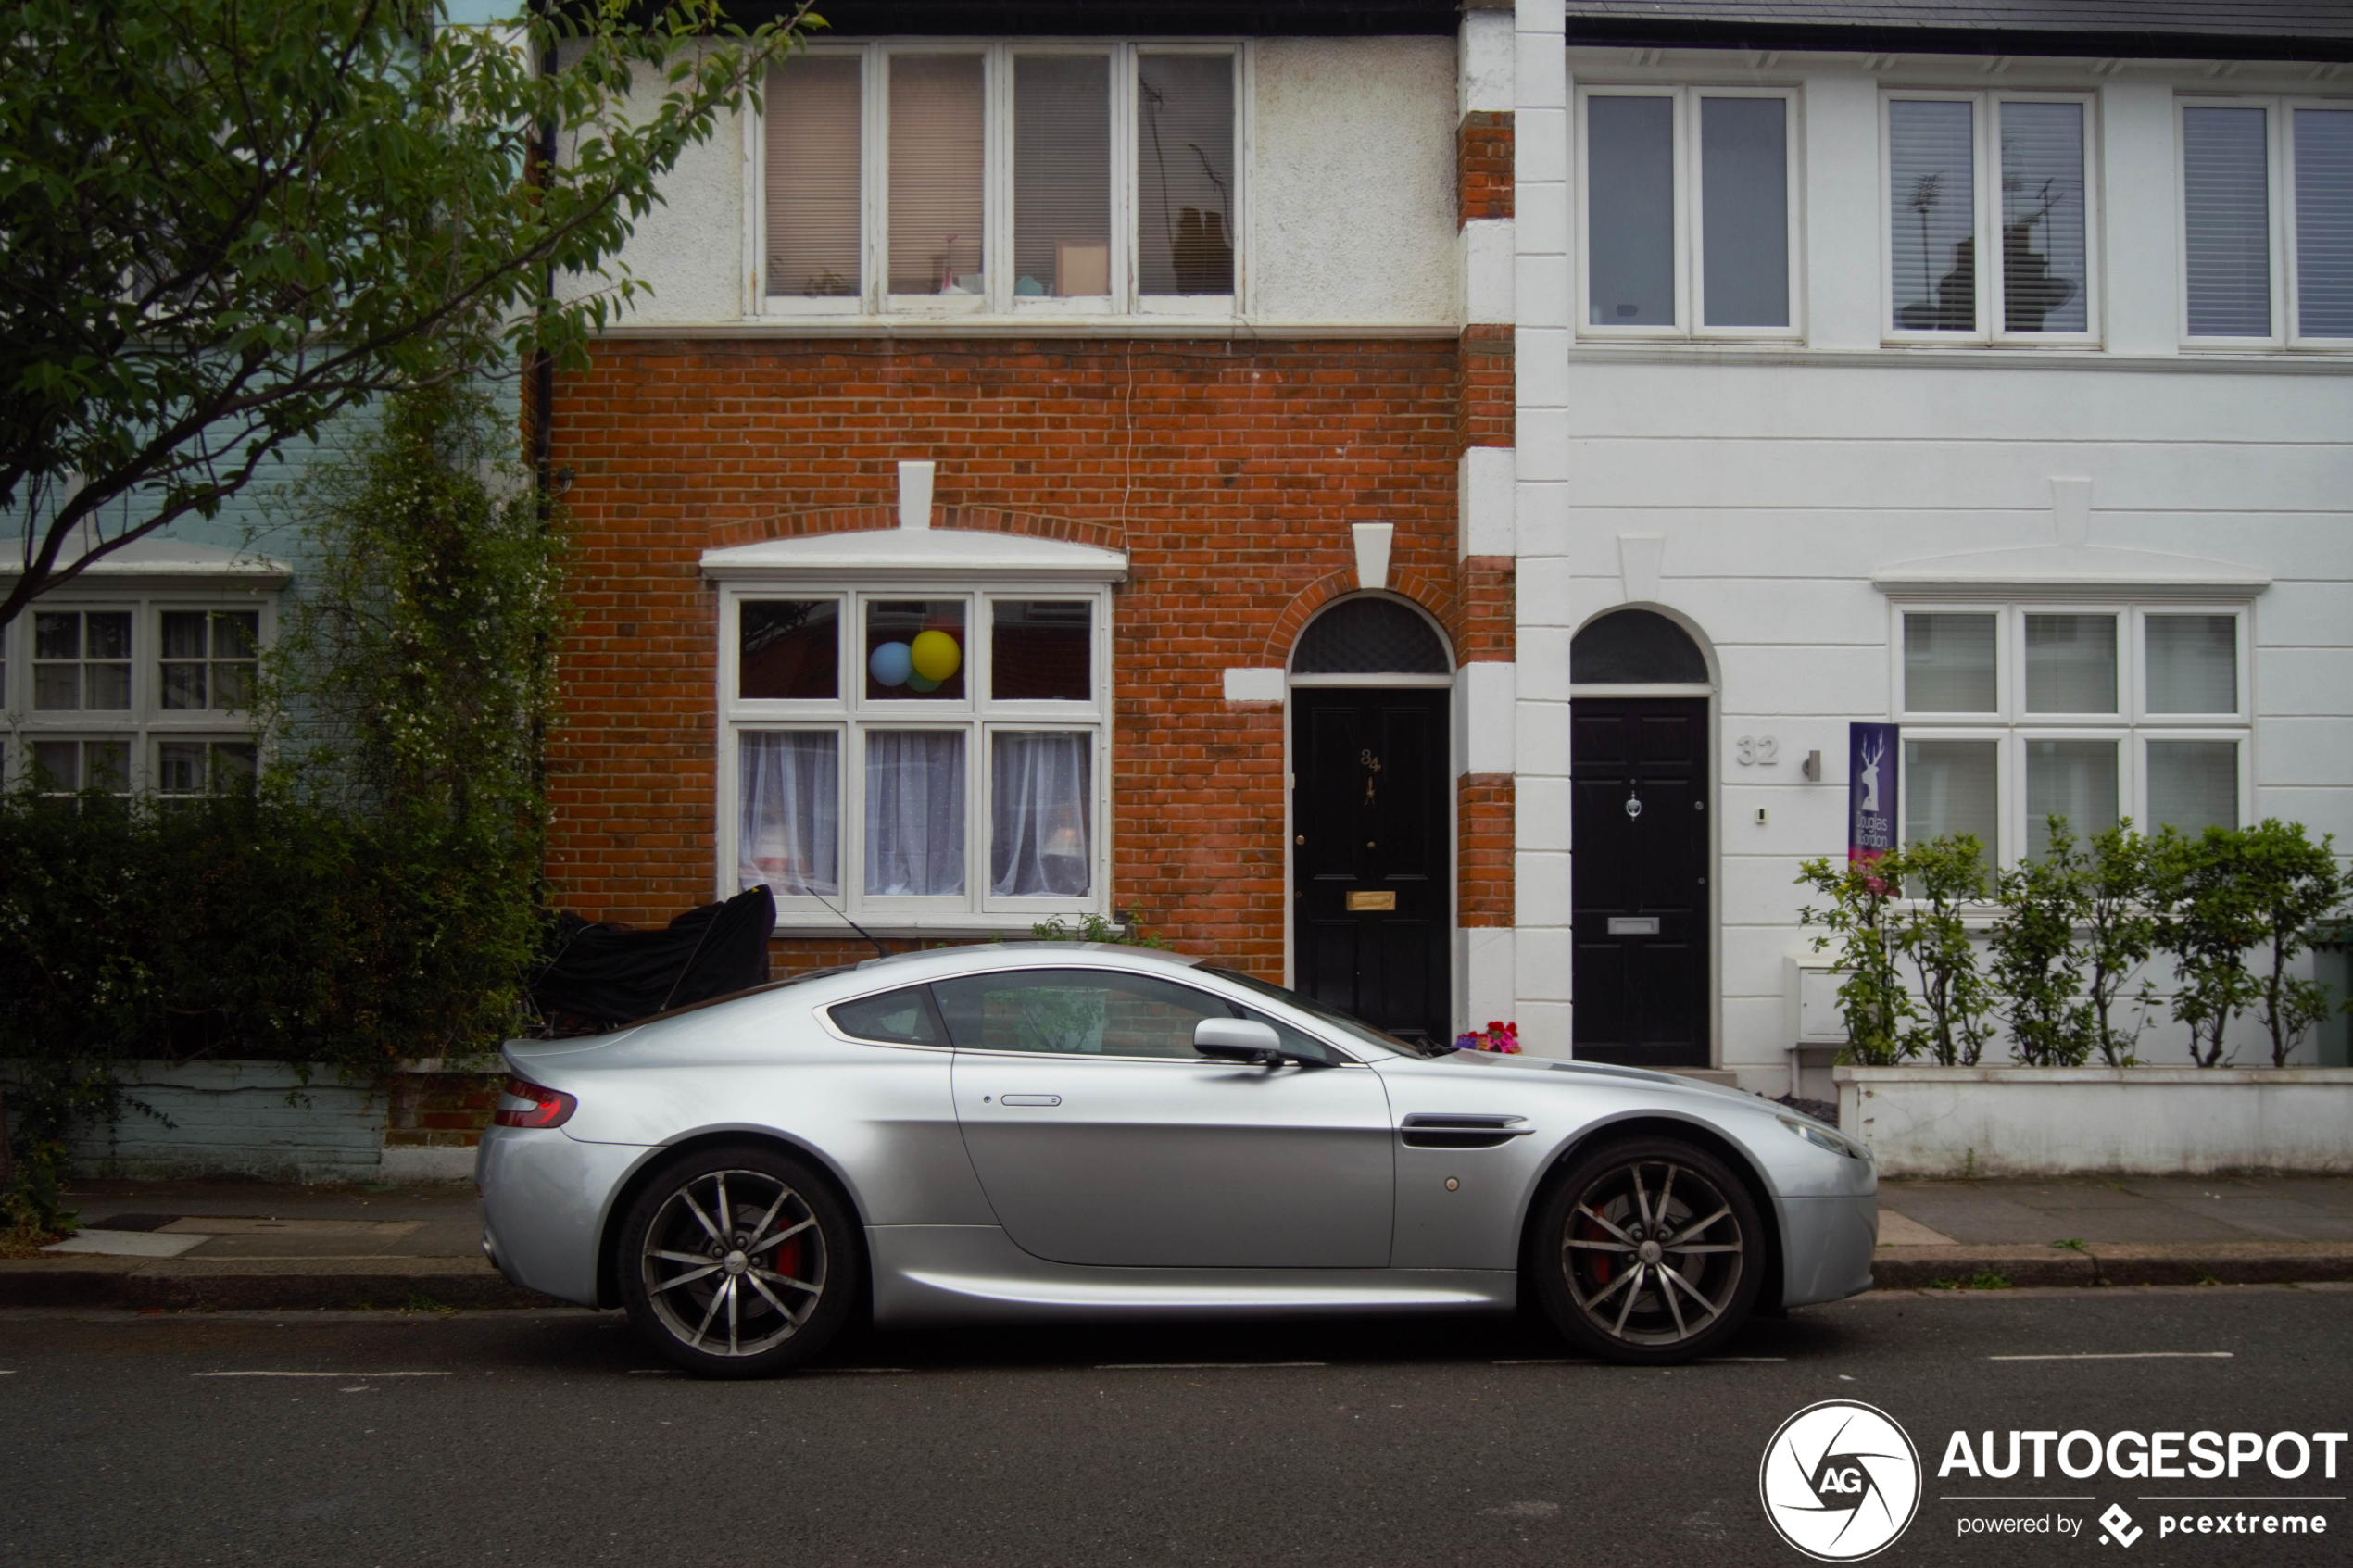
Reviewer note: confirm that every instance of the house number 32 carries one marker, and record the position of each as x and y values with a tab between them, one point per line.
1758	750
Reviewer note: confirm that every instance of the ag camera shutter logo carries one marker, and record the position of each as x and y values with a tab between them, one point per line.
1840	1481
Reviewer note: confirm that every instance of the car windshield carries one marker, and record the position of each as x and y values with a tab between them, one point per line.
1353	1027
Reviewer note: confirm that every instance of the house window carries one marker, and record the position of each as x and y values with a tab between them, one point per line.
1966	166
2246	253
939	179
1689	198
133	694
2014	713
921	756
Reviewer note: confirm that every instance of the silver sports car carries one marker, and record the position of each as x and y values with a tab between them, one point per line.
1014	1132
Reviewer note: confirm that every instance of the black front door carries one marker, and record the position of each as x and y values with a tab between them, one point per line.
1370	886
1638	873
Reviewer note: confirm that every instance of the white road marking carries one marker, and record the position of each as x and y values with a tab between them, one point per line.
1197	1366
2237	1496
2007	1496
2126	1356
342	1375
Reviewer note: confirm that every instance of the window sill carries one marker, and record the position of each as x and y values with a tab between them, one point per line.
964	927
1024	324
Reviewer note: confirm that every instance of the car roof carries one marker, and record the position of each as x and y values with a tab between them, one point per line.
990	954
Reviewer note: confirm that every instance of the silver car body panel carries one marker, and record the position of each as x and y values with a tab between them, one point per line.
1153	1185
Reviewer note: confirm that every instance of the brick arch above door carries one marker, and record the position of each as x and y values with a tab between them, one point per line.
1434	600
859	519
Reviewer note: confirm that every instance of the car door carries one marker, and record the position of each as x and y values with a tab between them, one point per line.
1102	1136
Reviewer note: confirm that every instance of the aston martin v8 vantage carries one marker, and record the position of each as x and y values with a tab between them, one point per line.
1057	1130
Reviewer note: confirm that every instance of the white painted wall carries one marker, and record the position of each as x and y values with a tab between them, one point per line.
1780	478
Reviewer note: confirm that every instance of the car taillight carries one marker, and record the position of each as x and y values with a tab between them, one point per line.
529	1105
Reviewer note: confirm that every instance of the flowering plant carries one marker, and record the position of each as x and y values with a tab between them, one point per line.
1498	1037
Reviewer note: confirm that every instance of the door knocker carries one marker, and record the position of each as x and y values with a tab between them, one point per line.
1633	804
1371	764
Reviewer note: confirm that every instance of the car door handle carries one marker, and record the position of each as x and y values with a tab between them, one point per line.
1462	1130
1029	1099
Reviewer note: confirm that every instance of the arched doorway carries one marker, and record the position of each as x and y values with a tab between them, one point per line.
1372	840
1640	780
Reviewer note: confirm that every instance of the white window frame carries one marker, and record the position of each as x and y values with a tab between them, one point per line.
850	714
2285	137
2131	727
1691	283
145	721
997	299
2274	173
1985	144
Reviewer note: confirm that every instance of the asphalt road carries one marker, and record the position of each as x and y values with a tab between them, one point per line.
552	1437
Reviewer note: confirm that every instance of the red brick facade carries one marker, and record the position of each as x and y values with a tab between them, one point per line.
1483	163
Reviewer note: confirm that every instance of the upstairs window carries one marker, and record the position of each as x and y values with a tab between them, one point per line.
940	179
1688	200
2266	221
1990	230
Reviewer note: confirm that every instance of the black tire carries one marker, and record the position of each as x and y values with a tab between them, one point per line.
1632	1203
739	1260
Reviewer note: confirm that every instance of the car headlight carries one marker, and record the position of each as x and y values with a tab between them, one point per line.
1822	1137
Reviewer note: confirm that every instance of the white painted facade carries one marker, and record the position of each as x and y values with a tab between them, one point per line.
1778	498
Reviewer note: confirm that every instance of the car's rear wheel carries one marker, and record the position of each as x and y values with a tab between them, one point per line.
738	1262
1649	1251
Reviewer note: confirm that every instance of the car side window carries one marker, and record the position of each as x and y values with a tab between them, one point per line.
900	1018
1296	1041
1075	1012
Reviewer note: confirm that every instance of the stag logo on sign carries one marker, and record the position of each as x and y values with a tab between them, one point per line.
1840	1481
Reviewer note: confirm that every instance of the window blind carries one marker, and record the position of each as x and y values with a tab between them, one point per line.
2324	222
936	144
1948	664
2227	202
1630	211
1185	173
1932	213
2071	664
2193	784
2193	663
1951	787
2044	262
1062	175
1743	193
812	146
2075	779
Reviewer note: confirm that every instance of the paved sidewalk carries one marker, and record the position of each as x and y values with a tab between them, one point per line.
224	1245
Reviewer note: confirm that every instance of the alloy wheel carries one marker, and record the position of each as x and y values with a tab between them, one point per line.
1653	1253
733	1263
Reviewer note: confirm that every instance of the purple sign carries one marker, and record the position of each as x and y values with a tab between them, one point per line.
1873	754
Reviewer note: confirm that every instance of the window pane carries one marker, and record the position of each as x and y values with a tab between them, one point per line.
2193	663
813	144
183	686
236	633
232	686
180	767
2075	779
105	764
106	686
935	151
1062	175
1948	664
1041	650
56	688
183	634
1932	213
109	634
915	648
2226	203
789	649
1075	1012
1185	173
2043	256
1041	824
1743	193
902	1017
58	764
2324	222
56	636
2193	784
2071	664
1630	211
914	811
1951	787
789	833
232	765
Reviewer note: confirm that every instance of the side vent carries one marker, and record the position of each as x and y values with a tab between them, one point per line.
1462	1130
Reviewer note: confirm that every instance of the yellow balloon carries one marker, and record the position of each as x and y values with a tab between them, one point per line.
937	655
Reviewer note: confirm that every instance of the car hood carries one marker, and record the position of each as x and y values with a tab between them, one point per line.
1536	1067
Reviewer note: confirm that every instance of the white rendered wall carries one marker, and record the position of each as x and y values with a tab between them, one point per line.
1779	479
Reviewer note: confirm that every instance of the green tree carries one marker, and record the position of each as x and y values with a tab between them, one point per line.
2120	931
2291	882
229	221
1942	876
2212	918
2035	965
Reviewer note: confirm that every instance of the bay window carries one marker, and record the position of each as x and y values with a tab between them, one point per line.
2266	221
2014	713
1688	211
1967	172
919	755
949	178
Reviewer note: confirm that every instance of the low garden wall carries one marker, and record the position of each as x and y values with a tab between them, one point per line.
2058	1121
260	1118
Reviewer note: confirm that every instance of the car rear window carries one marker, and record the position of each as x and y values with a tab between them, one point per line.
900	1018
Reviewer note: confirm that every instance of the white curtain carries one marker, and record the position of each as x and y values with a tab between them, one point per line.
1040	832
915	812
789	837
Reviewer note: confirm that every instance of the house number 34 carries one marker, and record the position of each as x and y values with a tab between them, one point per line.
1758	750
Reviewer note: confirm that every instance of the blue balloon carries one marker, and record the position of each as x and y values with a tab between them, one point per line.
891	664
922	684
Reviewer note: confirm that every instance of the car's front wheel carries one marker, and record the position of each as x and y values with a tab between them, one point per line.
738	1262
1649	1251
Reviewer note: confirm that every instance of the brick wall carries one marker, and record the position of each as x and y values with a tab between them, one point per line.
1483	165
1228	471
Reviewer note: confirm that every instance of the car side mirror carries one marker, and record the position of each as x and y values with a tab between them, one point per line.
1239	1039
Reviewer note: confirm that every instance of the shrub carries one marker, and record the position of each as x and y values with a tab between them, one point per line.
2209	920
1871	1000
2037	968
2291	883
1942	876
